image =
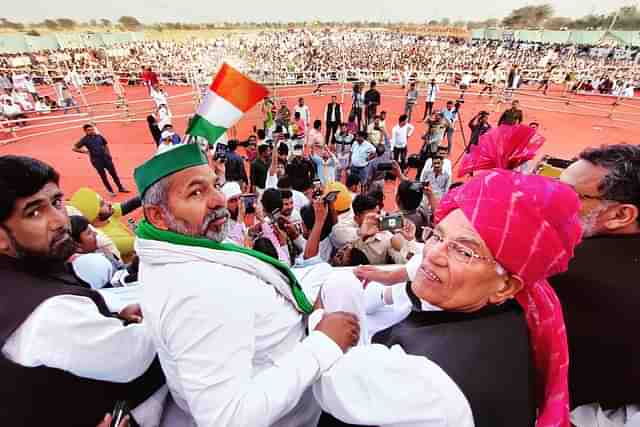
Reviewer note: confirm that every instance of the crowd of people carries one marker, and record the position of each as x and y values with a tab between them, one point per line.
267	281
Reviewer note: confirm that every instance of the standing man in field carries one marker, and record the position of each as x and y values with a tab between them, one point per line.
96	147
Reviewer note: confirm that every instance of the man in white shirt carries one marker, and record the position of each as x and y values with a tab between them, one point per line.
305	113
446	164
439	180
399	140
58	338
226	321
431	95
361	153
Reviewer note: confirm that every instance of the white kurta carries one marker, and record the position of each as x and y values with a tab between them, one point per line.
233	349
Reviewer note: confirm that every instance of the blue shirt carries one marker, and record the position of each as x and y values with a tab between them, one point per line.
331	169
452	116
360	154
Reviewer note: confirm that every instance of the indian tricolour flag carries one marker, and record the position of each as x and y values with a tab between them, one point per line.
230	96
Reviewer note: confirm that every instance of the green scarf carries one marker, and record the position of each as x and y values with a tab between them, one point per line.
147	231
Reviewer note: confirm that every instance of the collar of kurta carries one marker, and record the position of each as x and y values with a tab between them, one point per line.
145	230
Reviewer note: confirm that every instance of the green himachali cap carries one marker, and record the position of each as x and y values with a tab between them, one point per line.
153	170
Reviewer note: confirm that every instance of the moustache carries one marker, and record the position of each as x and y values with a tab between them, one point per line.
214	216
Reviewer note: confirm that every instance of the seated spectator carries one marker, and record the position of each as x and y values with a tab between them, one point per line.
41	106
12	111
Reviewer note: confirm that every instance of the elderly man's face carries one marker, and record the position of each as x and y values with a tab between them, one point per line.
585	178
195	206
38	228
445	281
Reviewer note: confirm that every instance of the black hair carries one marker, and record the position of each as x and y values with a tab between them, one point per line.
378	195
286	194
362	203
232	144
261	134
317	124
284	182
408	198
283	149
263	148
456	185
22	177
271	200
309	219
87	126
357	258
296	114
353	179
622	161
264	245
403	118
78	226
151	120
362	134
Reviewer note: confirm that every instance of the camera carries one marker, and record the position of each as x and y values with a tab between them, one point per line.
419	186
391	222
331	197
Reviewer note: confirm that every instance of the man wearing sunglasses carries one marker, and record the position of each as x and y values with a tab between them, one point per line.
599	291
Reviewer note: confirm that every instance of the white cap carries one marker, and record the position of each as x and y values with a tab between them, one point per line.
231	190
166	134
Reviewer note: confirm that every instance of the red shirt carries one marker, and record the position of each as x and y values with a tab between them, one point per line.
150	77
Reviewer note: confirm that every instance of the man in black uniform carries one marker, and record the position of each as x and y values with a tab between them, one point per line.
96	147
371	102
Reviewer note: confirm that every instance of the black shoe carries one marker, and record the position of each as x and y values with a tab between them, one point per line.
124	190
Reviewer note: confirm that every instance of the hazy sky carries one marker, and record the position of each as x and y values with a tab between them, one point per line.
298	10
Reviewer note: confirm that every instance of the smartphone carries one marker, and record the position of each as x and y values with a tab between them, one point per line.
249	201
331	196
385	166
120	410
391	222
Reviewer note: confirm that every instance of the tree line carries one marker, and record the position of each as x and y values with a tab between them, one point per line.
527	17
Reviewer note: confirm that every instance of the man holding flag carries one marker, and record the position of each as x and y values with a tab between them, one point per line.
227	321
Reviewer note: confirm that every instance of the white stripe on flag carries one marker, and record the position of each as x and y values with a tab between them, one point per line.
218	111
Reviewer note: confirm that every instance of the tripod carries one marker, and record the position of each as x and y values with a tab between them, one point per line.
464	138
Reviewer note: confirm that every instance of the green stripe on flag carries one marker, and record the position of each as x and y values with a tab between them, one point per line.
201	127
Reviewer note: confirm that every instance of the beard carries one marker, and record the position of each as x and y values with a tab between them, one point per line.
179	226
589	221
60	249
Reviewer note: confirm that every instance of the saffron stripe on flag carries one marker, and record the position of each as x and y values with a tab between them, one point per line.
237	88
201	127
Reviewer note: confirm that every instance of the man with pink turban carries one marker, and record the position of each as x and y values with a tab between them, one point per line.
483	317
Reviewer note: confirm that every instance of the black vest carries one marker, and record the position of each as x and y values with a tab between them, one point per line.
330	108
36	396
485	353
600	296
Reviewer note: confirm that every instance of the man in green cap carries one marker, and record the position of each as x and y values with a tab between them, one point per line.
227	321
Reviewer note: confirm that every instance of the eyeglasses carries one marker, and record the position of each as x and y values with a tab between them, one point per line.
460	252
